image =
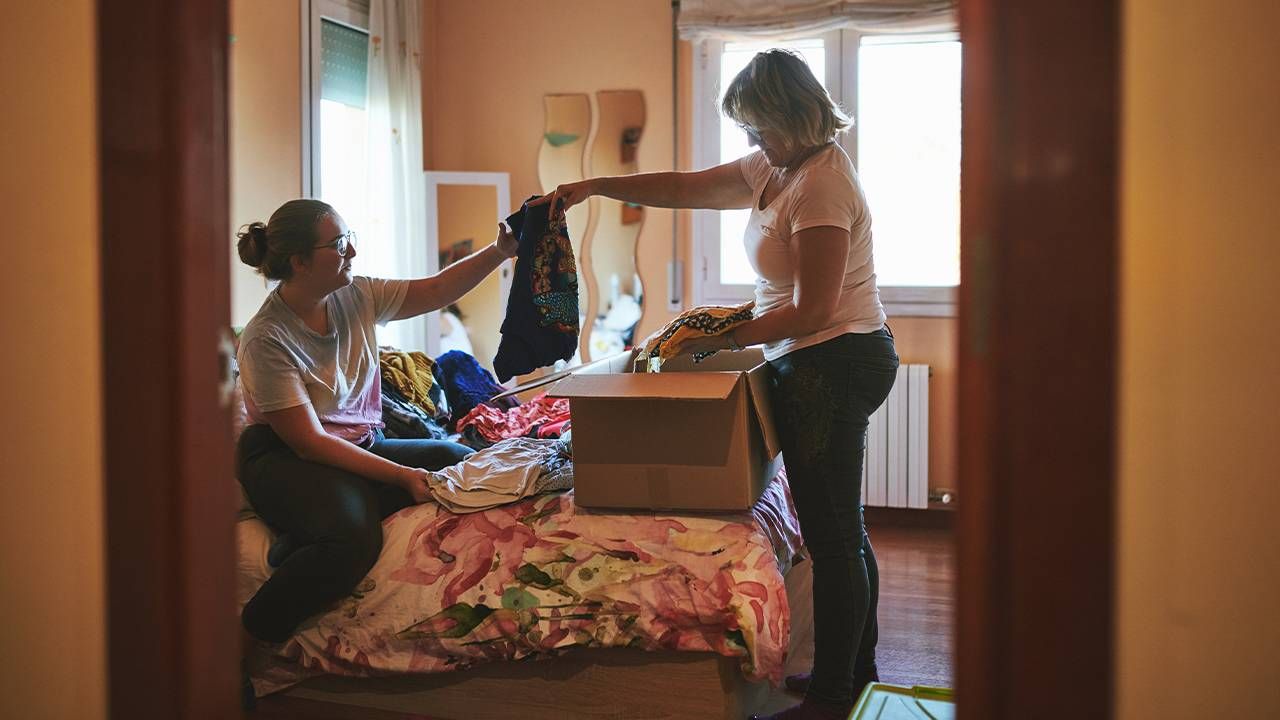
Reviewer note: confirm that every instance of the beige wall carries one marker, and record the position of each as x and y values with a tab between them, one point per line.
266	128
1199	462
932	342
491	64
52	595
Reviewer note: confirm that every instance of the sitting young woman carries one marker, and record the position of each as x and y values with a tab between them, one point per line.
314	462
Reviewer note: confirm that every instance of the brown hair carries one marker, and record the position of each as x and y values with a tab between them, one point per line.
777	91
290	231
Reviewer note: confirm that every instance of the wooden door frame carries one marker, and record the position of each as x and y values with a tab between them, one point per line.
1037	358
172	645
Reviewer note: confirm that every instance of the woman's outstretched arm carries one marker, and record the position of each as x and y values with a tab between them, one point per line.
718	188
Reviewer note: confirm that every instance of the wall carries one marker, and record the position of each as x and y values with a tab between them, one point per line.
932	342
266	128
1199	461
493	60
52	553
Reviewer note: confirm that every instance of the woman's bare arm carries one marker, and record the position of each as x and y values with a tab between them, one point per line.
301	430
432	293
819	255
718	188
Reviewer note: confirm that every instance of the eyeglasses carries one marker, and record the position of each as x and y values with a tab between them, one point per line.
343	243
753	135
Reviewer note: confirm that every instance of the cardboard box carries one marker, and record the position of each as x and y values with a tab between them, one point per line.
692	437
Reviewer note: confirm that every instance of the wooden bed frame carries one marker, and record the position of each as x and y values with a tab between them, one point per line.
588	683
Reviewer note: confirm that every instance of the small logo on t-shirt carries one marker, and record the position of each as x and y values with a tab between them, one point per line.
767	229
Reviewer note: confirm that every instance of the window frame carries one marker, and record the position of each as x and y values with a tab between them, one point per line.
353	14
841	48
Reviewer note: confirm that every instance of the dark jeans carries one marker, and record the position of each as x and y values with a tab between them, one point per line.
333	516
823	396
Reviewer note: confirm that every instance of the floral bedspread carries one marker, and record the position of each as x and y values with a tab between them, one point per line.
539	576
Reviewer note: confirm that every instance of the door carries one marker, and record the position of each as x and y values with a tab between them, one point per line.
162	114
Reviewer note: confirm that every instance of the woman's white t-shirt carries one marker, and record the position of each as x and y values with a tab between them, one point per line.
824	192
284	363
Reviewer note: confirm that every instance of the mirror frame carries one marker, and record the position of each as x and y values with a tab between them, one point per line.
586	289
501	182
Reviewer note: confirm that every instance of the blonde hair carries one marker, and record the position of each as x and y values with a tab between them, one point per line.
777	91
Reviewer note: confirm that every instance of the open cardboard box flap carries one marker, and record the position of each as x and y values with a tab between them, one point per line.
618	363
672	386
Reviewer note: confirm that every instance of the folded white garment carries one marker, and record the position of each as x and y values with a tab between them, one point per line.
502	473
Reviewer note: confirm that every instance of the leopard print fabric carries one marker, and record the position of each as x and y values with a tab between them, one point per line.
700	321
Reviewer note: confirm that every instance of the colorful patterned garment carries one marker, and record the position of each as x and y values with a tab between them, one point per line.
700	322
541	325
493	424
538	577
411	374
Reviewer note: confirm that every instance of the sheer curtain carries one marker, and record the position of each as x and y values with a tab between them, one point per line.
773	19
393	240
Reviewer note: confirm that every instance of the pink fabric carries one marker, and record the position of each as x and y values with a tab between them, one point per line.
533	578
494	424
553	430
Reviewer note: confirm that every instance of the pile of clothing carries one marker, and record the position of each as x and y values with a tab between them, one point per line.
453	397
413	403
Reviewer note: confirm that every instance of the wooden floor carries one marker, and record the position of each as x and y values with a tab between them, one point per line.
917	605
917	580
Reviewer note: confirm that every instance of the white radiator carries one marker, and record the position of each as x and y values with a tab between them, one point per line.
895	472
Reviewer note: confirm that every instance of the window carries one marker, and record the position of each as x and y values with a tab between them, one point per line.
335	93
336	153
341	155
908	129
904	94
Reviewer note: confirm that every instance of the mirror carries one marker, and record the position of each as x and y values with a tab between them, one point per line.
610	248
561	156
467	207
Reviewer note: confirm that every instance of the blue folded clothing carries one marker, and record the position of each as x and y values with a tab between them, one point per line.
467	384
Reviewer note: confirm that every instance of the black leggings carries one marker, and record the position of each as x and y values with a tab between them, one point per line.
333	516
823	396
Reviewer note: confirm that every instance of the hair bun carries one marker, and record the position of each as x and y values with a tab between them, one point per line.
252	244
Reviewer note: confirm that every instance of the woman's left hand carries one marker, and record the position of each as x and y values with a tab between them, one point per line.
506	243
701	344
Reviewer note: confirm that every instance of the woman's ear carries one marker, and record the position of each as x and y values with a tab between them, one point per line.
298	263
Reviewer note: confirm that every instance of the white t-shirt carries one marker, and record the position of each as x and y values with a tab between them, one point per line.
824	192
284	363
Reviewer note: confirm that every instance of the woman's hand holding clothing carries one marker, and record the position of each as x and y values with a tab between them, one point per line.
506	243
301	430
451	283
414	481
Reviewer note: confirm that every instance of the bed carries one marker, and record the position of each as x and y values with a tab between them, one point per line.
544	610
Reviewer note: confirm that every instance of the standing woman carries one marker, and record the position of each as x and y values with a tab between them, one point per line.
314	463
819	317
